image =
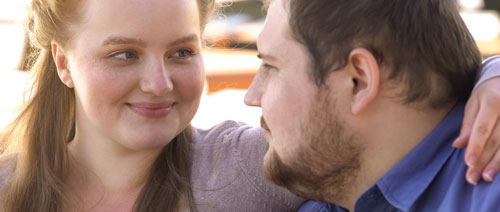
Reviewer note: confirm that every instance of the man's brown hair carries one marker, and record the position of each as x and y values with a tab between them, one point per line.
423	43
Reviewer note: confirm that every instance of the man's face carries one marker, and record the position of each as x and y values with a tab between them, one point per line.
309	147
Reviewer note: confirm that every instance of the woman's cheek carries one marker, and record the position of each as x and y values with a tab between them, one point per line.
190	81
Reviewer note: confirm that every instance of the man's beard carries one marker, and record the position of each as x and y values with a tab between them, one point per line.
329	164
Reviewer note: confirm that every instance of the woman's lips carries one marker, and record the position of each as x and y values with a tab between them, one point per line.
152	110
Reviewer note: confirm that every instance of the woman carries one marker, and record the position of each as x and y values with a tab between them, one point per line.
107	125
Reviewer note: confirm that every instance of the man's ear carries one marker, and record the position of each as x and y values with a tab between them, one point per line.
365	74
62	65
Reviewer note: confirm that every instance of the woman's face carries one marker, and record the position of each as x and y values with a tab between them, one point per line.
137	71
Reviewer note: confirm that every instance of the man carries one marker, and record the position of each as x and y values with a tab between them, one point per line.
362	100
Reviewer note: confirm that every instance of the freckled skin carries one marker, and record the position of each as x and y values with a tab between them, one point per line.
106	81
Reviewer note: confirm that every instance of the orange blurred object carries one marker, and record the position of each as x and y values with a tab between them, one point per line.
230	68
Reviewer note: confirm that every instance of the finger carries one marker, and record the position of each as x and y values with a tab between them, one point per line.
484	157
462	140
471	110
472	176
481	130
493	166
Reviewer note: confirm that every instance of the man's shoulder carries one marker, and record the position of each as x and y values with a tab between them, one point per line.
450	190
314	206
486	196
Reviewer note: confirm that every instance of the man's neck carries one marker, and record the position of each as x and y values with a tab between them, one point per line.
388	133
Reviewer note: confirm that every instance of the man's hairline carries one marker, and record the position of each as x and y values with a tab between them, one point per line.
290	35
265	5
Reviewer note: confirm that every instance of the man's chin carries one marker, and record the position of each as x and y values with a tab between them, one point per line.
276	170
269	167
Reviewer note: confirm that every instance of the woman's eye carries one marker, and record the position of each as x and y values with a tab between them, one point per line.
183	53
124	55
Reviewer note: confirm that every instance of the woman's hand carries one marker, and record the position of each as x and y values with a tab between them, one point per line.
481	132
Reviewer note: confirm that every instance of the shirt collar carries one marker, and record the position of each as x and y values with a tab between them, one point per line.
404	183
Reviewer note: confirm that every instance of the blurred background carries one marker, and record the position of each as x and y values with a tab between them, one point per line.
230	60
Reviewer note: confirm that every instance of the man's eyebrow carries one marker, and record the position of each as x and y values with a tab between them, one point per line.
266	57
118	40
265	5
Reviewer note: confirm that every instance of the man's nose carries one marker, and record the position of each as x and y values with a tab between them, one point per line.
157	79
254	93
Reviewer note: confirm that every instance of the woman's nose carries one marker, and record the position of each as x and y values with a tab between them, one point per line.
156	79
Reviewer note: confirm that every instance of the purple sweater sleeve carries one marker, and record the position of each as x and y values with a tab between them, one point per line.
491	69
227	174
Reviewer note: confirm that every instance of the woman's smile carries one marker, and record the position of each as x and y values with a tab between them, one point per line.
152	110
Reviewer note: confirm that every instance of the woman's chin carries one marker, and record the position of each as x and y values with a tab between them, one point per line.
147	143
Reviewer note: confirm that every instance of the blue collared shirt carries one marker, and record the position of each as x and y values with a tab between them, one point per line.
429	178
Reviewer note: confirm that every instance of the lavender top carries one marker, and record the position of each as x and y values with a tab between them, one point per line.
226	173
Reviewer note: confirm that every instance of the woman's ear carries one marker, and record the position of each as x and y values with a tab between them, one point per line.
61	62
366	78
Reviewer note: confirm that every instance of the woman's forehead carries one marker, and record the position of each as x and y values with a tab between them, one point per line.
142	19
156	11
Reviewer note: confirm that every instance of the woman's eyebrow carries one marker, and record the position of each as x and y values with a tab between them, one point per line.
120	40
186	39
